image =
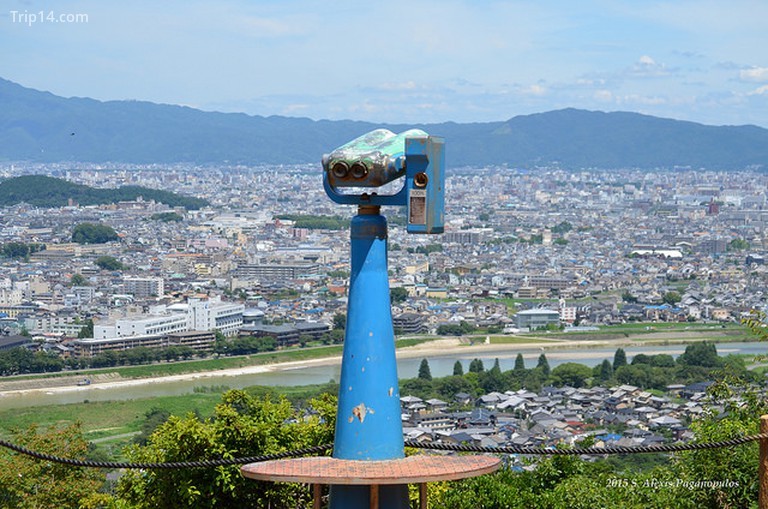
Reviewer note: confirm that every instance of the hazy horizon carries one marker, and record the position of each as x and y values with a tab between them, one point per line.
400	62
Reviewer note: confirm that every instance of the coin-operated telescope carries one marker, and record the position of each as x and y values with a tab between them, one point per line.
380	157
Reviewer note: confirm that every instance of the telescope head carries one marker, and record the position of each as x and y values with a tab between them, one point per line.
380	157
371	160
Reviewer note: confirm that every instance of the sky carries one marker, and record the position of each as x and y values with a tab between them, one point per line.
400	61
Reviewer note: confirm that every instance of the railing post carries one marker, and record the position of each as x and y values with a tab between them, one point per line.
763	469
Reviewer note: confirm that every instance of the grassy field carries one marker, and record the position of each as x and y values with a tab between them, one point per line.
661	332
111	425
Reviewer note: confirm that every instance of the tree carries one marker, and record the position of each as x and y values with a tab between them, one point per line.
458	369
242	425
543	364
339	321
78	280
604	371
476	366
662	360
740	407
641	358
87	330
738	245
563	227
619	359
424	371
671	298
153	418
700	354
447	387
20	250
571	373
27	483
109	263
398	294
92	233
493	380
166	217
519	363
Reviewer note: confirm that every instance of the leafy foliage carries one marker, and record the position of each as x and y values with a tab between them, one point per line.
27	483
455	329
109	263
619	358
16	250
42	191
92	233
571	373
167	217
19	361
398	295
243	425
424	372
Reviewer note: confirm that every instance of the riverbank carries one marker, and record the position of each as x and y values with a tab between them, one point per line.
438	348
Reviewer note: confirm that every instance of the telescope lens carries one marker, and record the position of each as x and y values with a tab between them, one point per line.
359	170
340	170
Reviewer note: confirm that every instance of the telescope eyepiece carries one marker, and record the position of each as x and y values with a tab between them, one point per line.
359	170
340	170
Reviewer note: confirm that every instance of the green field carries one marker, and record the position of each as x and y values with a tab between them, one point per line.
111	425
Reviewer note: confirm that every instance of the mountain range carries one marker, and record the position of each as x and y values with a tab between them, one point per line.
41	127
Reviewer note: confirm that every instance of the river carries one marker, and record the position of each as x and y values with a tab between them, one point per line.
440	365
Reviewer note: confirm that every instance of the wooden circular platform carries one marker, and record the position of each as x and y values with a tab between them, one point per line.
413	469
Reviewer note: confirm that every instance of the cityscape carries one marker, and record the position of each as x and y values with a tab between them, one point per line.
590	248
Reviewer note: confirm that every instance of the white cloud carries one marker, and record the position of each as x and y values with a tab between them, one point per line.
759	91
536	90
603	95
754	75
647	67
293	109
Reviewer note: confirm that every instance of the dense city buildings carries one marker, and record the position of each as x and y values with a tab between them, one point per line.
522	250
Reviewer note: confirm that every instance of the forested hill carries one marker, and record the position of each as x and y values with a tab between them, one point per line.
41	127
44	191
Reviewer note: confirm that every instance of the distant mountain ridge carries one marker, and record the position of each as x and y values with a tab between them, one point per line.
41	127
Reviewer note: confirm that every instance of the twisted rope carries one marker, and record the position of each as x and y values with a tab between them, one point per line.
319	449
589	451
314	450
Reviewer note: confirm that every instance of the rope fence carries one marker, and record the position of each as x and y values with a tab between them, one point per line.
321	449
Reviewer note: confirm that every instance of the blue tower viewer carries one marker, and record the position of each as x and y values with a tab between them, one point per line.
368	423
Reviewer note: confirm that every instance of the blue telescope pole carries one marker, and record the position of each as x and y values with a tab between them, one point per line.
368	425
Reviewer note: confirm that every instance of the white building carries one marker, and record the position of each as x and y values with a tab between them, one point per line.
212	314
142	326
198	315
